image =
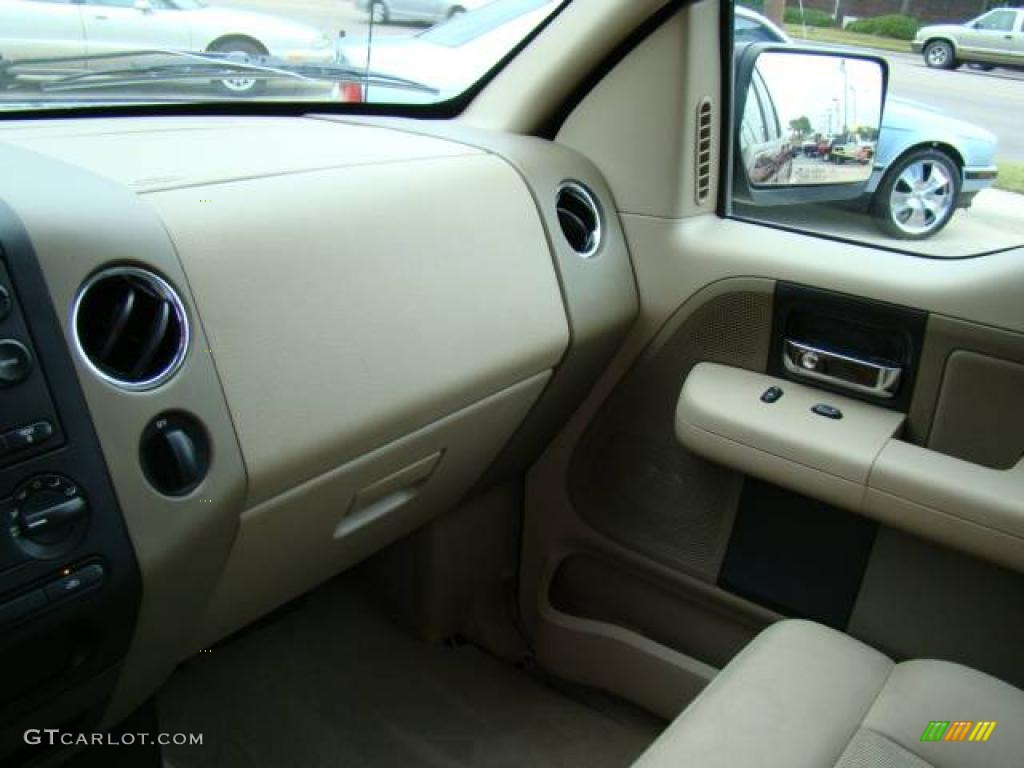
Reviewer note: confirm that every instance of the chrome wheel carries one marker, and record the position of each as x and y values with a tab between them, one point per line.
939	55
239	85
240	51
922	197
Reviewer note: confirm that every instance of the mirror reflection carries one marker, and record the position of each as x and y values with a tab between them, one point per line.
810	119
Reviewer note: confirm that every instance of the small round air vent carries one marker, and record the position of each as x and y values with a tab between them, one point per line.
130	327
579	217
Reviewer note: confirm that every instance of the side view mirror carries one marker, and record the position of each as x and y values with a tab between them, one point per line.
806	124
143	6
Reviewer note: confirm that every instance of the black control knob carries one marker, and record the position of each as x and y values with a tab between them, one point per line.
175	453
50	516
15	362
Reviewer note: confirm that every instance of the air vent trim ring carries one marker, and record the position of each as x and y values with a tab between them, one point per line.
168	293
580	191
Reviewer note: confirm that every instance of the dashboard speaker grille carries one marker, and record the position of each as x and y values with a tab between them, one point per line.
579	217
131	327
703	164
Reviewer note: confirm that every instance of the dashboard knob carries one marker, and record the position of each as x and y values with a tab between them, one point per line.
50	516
15	362
175	453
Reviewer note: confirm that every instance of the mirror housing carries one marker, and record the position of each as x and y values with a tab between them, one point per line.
809	140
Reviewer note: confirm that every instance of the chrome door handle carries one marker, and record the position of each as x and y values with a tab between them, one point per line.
861	376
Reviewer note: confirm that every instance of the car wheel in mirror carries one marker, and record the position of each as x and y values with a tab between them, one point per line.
918	195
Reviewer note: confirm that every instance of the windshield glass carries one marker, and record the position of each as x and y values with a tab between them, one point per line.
467	27
68	53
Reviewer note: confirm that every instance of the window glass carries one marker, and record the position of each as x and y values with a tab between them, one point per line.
769	115
753	121
390	52
467	27
998	21
749	31
115	3
938	170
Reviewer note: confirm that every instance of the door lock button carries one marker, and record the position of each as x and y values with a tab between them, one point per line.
828	411
771	395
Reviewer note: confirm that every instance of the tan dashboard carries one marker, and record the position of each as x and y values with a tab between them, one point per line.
375	318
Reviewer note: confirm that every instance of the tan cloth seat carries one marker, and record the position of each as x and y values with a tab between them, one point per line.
805	696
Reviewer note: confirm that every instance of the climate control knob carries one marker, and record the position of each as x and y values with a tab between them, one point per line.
50	516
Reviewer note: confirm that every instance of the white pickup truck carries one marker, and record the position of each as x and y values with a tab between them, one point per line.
993	39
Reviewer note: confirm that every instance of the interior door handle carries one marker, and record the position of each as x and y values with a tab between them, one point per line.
839	370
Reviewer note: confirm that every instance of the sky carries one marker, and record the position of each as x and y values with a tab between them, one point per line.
806	84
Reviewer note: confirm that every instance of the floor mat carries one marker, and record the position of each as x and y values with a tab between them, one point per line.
335	684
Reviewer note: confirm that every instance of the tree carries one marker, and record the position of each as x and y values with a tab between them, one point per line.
775	10
801	126
906	7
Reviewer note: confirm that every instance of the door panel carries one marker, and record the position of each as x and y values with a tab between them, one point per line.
994	35
629	480
682	541
646	566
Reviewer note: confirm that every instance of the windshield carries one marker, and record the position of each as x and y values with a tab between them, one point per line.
467	27
68	53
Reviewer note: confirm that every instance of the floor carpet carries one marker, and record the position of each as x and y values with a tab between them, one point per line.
333	683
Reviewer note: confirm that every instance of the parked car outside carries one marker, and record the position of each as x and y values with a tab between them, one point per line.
450	55
384	11
926	164
41	28
993	39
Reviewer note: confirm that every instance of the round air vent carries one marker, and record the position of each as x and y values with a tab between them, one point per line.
130	327
580	218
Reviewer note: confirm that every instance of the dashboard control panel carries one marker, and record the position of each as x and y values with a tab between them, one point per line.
28	423
69	581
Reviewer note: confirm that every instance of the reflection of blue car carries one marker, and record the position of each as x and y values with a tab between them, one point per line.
927	164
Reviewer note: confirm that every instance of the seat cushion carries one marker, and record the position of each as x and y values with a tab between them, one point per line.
802	695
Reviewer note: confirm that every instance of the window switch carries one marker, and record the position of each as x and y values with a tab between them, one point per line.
771	395
828	411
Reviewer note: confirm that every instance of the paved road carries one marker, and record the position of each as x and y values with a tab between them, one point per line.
995	222
994	100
